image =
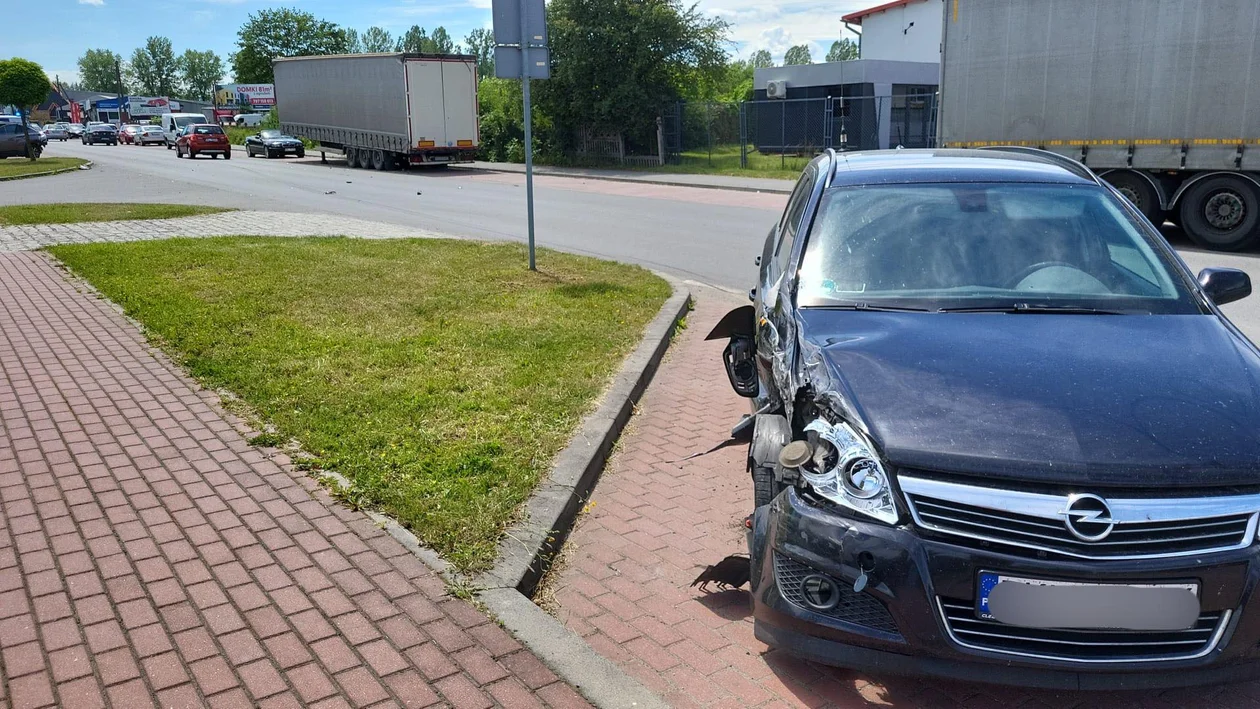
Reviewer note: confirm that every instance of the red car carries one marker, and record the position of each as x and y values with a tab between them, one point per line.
199	138
128	133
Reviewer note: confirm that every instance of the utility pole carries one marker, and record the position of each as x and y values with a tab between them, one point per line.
118	77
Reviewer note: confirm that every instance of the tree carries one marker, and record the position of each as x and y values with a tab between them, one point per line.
616	62
797	55
98	70
480	43
154	69
376	39
353	45
281	32
416	40
842	51
441	42
23	85
762	59
201	71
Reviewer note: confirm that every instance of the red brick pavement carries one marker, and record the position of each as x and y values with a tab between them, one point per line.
149	555
654	523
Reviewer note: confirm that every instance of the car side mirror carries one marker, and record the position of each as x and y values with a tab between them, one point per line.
739	357
1225	285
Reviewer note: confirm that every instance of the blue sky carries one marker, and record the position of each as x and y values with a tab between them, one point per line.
60	30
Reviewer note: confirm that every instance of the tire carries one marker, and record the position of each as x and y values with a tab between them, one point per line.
227	155
1222	213
765	487
365	159
352	157
301	153
168	146
380	160
270	155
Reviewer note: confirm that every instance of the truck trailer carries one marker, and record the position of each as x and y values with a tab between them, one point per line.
1153	95
382	110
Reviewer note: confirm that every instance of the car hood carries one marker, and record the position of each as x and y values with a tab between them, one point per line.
1125	400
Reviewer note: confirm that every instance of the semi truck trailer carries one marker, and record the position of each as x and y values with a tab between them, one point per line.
1159	97
382	111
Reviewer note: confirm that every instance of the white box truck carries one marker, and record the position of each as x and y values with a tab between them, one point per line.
382	110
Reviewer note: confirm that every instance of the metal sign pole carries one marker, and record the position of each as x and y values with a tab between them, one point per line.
529	135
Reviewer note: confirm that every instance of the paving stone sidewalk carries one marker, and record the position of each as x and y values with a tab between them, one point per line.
655	520
255	223
150	556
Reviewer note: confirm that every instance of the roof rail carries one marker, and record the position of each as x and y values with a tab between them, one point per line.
1073	166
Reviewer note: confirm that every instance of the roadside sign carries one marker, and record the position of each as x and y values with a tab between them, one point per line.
520	52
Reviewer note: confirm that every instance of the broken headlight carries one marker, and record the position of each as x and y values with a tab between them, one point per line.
845	469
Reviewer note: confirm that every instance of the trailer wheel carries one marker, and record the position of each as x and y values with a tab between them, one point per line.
352	157
1222	213
365	159
379	160
1140	193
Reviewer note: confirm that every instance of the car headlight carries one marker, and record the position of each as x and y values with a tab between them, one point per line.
845	469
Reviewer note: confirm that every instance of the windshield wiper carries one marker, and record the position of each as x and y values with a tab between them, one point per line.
1024	308
873	308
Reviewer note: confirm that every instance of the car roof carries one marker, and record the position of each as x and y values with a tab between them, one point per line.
957	165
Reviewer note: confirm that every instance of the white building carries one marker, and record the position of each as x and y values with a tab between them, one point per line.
903	30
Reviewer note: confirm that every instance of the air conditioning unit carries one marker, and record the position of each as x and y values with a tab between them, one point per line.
776	89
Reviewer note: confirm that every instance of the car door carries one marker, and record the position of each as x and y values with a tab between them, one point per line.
11	142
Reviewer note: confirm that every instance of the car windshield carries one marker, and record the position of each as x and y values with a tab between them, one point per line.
981	246
182	121
272	134
208	130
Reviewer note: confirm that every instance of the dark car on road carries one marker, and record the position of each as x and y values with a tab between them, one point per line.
202	139
273	143
95	133
13	143
1001	432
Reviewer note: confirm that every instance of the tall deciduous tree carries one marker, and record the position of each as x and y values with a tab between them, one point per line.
201	71
842	51
617	62
154	68
23	84
797	55
480	43
376	39
441	42
98	70
415	40
762	59
281	32
353	44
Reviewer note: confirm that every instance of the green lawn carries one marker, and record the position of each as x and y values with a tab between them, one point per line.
17	167
441	377
72	212
724	160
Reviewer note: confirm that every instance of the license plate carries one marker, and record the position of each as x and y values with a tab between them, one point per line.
290	150
1042	603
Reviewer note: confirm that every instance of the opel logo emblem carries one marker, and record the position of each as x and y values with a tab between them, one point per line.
1088	518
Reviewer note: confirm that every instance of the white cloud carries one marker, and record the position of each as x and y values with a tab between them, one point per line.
96	3
756	24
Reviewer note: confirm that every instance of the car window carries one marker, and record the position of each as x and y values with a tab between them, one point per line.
208	130
8	129
271	134
985	245
792	216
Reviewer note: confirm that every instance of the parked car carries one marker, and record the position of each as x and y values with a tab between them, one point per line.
203	138
57	131
1002	432
127	134
74	130
247	119
13	142
150	135
273	143
95	133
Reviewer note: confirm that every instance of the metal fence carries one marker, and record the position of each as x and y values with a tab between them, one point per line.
787	133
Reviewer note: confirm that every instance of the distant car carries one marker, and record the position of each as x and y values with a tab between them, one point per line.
56	131
74	130
273	143
149	135
128	133
247	119
100	133
13	143
156	103
203	138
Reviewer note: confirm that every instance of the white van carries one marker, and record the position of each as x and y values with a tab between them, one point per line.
172	122
248	119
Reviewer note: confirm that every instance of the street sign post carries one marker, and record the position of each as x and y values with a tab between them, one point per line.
520	52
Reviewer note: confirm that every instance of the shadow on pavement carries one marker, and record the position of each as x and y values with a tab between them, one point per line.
733	604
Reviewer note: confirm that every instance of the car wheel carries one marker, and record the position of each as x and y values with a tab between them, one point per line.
1222	213
765	487
227	155
301	153
168	146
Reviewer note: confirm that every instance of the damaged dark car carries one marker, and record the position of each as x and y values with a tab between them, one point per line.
1001	432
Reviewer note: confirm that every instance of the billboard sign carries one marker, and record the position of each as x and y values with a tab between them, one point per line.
245	96
150	106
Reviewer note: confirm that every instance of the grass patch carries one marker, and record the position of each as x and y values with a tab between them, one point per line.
73	212
441	377
17	167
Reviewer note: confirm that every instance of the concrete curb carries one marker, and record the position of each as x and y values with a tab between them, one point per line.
85	166
616	178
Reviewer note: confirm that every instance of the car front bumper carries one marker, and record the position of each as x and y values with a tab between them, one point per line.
909	576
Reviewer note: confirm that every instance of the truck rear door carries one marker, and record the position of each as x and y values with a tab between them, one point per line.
425	99
459	94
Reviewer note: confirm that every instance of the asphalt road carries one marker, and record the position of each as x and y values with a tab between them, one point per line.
710	236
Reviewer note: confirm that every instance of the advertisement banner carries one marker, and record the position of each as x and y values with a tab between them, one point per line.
150	106
255	97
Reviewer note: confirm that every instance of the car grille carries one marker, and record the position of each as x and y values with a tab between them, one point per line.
856	608
1081	645
1036	522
